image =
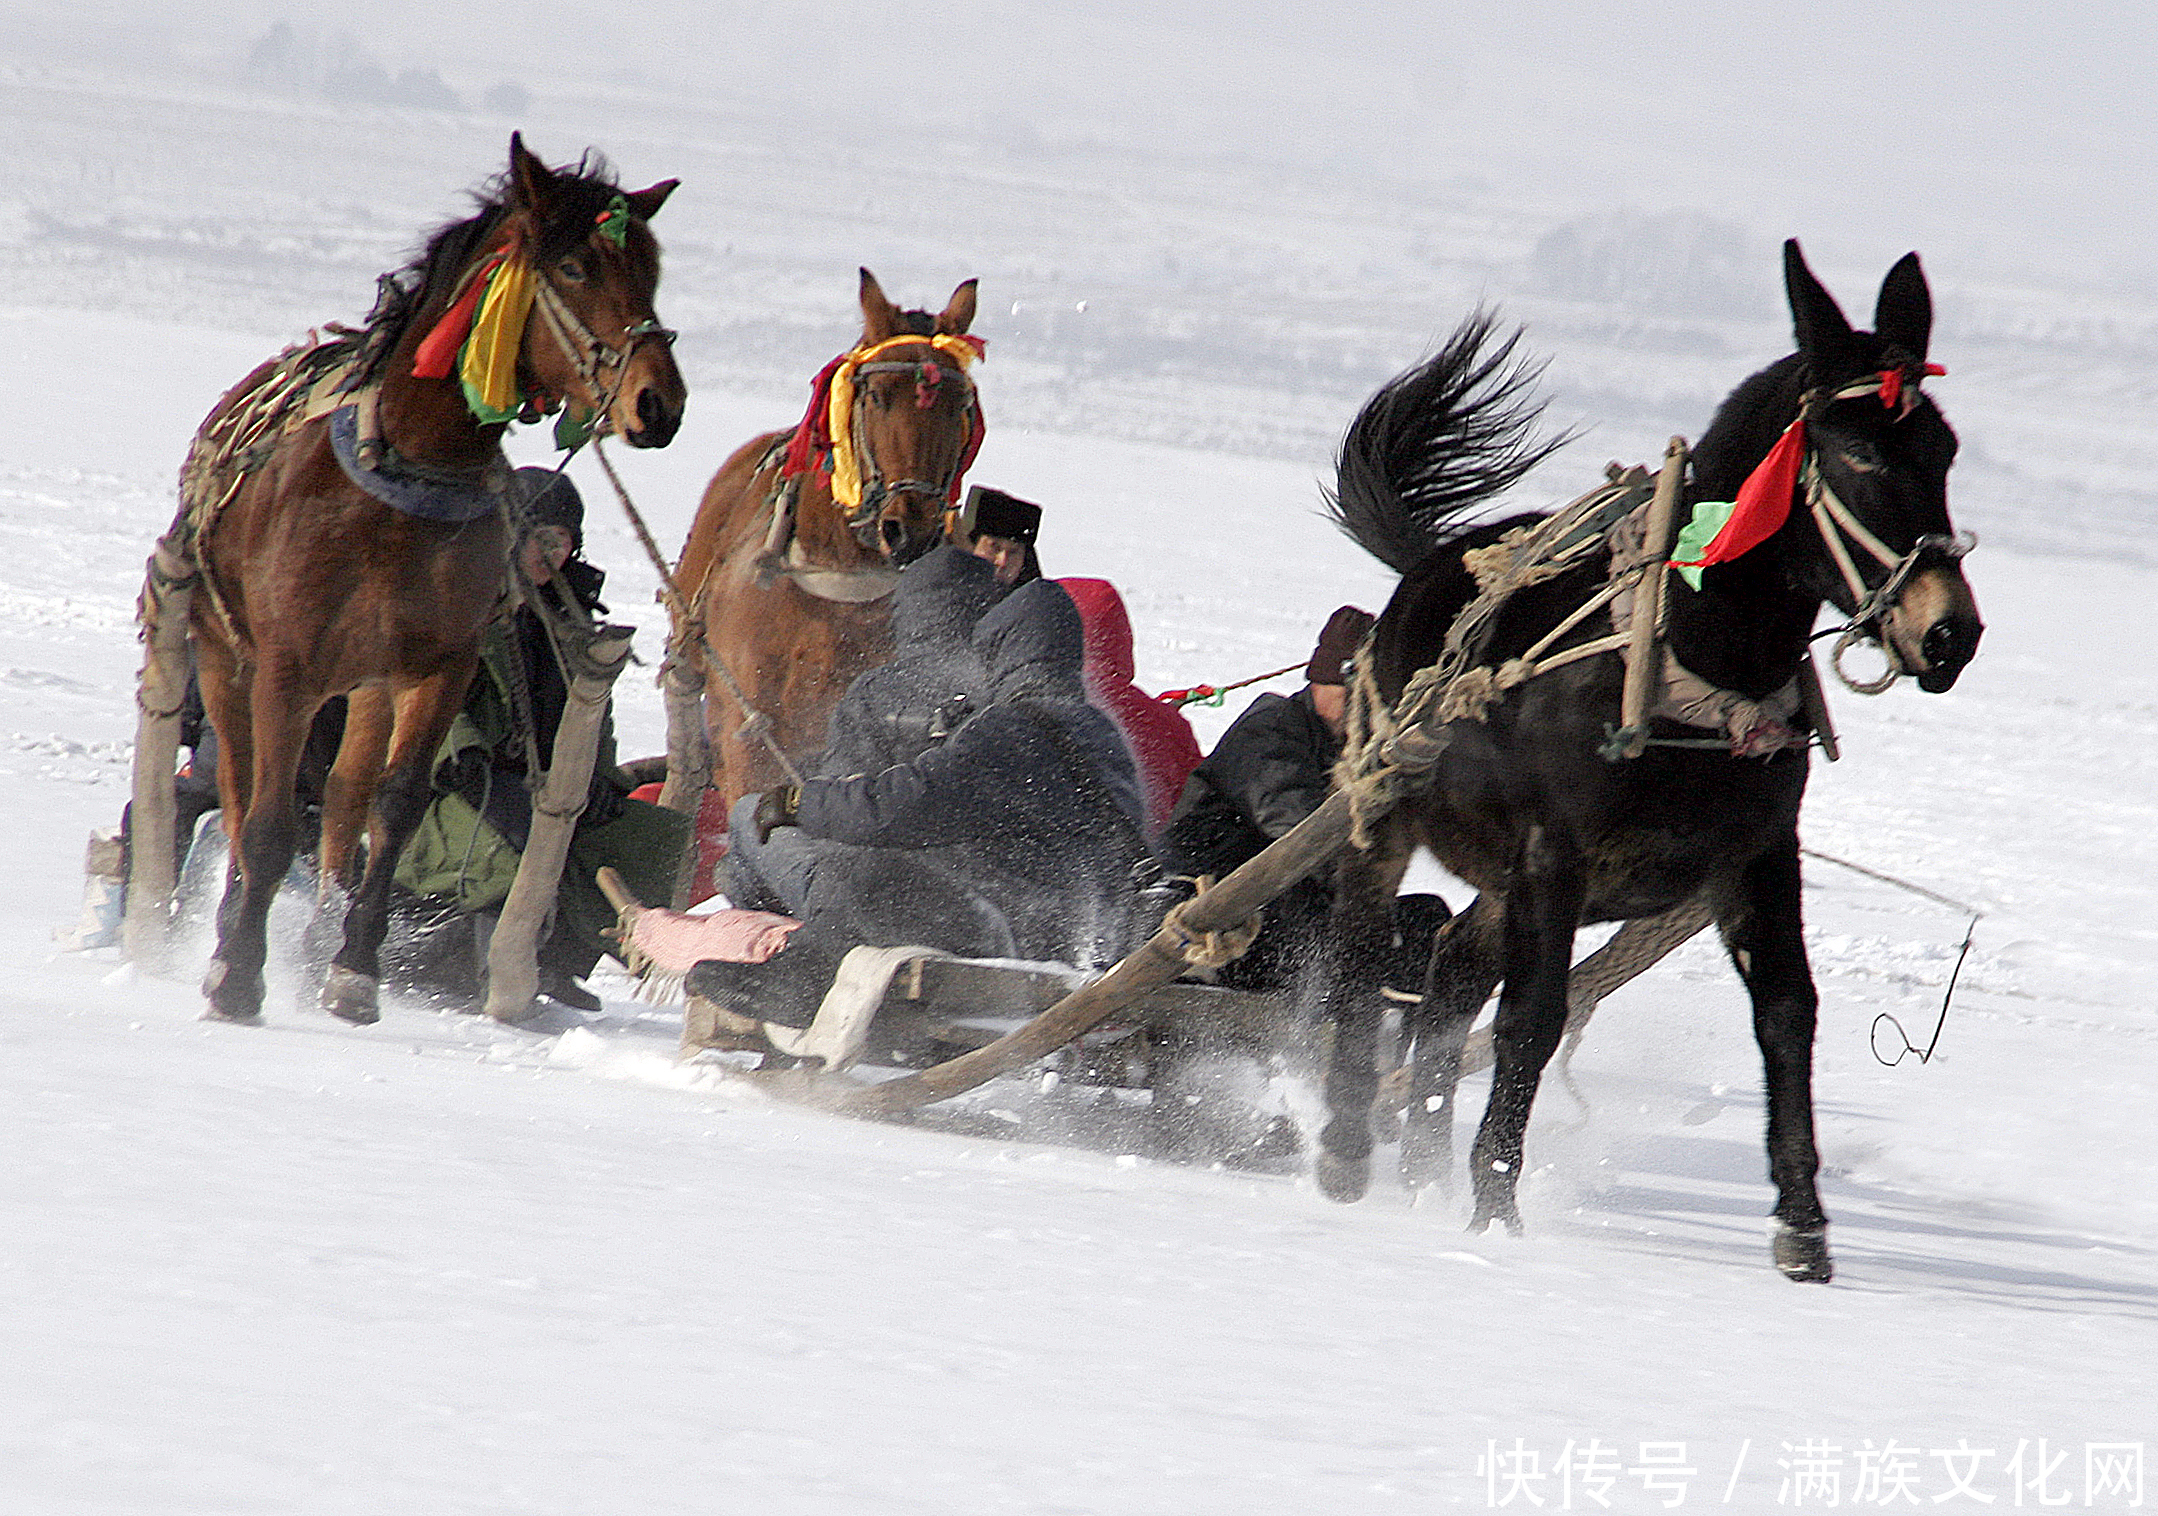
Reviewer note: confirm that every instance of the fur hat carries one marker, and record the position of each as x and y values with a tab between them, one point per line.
1343	634
992	513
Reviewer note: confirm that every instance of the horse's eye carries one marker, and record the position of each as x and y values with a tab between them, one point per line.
1861	456
571	269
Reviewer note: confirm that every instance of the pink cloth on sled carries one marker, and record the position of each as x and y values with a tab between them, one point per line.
673	942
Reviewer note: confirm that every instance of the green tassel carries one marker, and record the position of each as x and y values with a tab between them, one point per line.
573	428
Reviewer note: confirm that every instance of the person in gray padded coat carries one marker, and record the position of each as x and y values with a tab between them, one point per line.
1014	837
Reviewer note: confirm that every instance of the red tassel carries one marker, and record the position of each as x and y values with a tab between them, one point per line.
814	435
437	354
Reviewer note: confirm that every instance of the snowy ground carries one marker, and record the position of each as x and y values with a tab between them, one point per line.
440	1266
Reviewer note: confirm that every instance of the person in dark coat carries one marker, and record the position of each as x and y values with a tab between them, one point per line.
463	857
1270	770
1014	837
895	711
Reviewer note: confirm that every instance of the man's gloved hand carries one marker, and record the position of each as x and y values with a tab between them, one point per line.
776	807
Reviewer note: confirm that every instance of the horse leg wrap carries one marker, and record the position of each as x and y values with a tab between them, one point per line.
350	996
1802	1253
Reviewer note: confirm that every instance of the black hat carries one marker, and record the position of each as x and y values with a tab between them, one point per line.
1343	634
992	513
549	499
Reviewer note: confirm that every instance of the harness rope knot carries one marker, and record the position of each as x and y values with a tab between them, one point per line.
1211	950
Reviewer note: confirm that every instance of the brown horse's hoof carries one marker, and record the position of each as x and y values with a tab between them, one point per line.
1802	1253
227	1004
1343	1180
350	996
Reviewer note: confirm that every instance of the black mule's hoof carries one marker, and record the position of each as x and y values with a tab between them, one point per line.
351	997
1488	1216
1802	1254
1342	1180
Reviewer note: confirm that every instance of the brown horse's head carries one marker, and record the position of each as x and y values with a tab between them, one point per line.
593	339
915	420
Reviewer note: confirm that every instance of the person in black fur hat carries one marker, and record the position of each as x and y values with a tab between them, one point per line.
1002	529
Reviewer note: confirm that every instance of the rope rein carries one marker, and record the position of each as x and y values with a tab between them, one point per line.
688	629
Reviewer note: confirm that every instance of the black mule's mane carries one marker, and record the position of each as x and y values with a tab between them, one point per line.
580	194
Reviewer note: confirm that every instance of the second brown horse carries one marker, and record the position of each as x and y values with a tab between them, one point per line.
800	535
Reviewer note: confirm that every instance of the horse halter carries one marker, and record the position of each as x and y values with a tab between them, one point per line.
1841	531
590	356
860	473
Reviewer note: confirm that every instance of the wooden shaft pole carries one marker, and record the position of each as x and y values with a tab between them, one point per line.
1644	653
513	954
167	594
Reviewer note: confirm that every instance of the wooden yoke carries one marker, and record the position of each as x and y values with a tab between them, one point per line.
168	592
513	954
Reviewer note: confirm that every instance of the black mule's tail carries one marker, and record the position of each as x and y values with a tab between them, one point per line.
1436	442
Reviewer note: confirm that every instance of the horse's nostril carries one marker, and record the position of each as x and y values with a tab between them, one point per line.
656	420
894	535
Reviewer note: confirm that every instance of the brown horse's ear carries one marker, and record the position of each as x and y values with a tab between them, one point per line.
1903	317
532	183
645	203
880	318
959	314
1816	320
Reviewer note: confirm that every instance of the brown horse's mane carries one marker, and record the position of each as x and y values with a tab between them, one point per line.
582	192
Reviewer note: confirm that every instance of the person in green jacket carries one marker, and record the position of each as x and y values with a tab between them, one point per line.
462	860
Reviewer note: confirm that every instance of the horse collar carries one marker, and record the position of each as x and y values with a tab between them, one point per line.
452	498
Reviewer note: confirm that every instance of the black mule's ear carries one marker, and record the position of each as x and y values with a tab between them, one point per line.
1816	320
1904	315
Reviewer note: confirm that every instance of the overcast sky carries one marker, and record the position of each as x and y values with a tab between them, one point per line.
2010	133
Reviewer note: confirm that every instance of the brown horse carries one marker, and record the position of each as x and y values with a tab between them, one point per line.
801	534
348	511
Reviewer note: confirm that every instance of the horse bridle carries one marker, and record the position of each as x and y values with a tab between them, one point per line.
589	355
876	489
1841	531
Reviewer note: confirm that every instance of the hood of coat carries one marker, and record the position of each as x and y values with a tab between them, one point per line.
1033	645
939	598
1108	654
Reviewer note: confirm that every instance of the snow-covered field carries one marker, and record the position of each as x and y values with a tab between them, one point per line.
444	1267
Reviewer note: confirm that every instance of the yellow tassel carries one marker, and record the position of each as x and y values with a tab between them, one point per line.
489	365
846	468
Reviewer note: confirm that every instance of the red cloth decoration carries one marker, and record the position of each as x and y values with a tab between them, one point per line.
813	438
1764	501
437	354
1892	381
1163	748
